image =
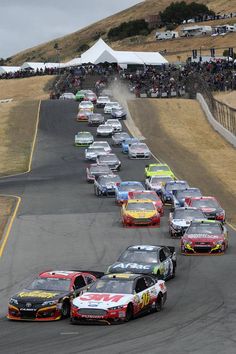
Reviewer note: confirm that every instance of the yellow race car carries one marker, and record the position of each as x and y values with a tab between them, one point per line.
140	212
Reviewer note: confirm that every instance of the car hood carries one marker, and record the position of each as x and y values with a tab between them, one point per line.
140	214
37	295
209	210
101	300
143	268
203	238
181	222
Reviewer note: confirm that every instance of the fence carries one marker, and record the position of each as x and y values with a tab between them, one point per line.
222	113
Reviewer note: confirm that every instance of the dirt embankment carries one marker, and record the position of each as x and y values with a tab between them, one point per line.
179	134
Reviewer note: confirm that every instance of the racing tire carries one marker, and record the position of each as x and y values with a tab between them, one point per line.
65	310
158	304
72	321
97	192
129	313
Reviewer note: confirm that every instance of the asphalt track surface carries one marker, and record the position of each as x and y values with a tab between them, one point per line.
62	225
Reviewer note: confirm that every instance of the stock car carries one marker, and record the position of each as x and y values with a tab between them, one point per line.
95	170
102	144
136	212
209	206
105	130
102	101
119	298
105	185
91	96
126	143
118	138
146	259
95	119
205	236
92	152
115	123
180	219
80	95
158	169
87	105
170	187
118	113
67	96
180	196
124	188
109	105
83	139
83	115
139	151
48	297
110	160
156	183
151	195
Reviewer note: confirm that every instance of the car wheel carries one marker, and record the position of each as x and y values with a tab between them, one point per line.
158	304
72	321
65	310
129	313
173	272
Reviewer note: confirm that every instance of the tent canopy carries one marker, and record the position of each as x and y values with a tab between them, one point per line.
9	69
38	66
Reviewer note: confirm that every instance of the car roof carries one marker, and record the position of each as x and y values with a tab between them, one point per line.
205	221
202	198
135	201
186	208
157	164
130	182
144	247
121	276
69	274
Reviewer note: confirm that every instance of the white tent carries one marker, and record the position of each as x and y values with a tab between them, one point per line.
100	52
9	69
38	66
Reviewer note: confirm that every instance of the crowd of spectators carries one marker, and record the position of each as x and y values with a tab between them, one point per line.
30	72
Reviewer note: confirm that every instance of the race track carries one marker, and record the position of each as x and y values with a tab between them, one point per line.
62	225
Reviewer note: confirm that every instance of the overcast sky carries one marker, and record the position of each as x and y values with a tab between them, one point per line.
26	23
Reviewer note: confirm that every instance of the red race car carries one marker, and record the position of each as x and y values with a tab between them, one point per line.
49	296
151	195
209	206
83	115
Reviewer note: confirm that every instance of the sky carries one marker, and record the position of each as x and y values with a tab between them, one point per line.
26	23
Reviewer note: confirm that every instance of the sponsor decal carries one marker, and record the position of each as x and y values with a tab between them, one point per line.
131	265
40	294
101	297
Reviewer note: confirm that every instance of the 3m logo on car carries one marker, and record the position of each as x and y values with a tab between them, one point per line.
101	297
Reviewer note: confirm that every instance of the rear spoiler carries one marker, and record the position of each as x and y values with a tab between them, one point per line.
93	272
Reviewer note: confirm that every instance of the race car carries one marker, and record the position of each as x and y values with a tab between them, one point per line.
157	183
48	297
139	151
67	96
115	123
102	144
180	219
95	170
95	119
86	105
180	196
109	105
125	187
126	143
170	187
90	96
110	160
118	113
105	185
140	212
119	298
151	195
118	138
102	100
80	95
92	152
209	206
83	139
83	115
158	169
105	130
205	236
147	259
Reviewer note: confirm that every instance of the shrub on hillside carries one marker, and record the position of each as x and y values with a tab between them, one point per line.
129	29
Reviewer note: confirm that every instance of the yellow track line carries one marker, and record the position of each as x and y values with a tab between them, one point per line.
10	225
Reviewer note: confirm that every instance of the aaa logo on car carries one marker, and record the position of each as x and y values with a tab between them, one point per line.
40	294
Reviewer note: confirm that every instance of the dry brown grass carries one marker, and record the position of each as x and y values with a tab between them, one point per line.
7	207
228	98
70	43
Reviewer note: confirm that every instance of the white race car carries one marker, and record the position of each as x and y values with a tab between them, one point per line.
101	144
115	123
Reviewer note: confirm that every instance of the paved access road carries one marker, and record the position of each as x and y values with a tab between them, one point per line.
62	225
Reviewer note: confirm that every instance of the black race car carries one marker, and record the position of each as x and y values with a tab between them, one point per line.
146	259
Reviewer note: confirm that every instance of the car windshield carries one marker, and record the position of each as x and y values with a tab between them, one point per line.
140	256
138	146
112	121
50	284
95	149
188	193
130	141
105	127
176	186
151	196
100	144
96	116
161	179
114	286
84	135
188	213
130	187
110	179
158	168
204	228
107	158
140	206
100	169
205	203
103	98
121	135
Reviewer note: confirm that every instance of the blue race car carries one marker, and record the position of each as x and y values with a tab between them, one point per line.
170	187
126	143
121	191
179	196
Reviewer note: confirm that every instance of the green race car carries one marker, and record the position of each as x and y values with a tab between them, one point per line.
80	95
158	169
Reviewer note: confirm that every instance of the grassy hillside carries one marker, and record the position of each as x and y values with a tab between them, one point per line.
70	44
